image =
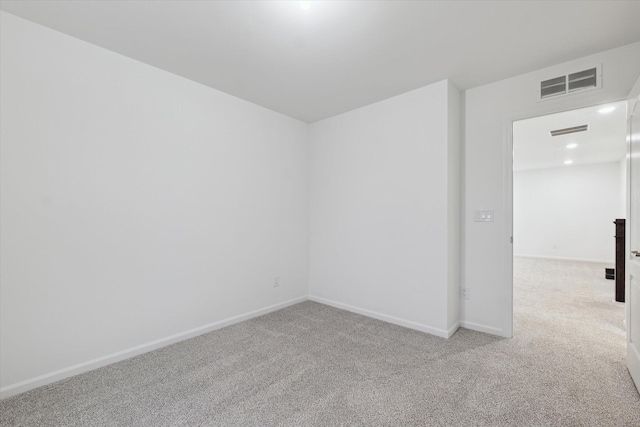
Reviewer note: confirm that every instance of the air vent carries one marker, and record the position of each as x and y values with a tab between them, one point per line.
553	87
583	80
566	131
570	83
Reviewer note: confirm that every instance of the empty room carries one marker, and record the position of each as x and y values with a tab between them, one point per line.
302	213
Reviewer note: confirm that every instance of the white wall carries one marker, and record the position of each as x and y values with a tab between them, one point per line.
136	205
380	197
622	186
567	213
489	113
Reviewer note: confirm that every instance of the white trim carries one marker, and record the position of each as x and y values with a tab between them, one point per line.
632	363
506	302
386	318
483	328
452	330
560	258
22	386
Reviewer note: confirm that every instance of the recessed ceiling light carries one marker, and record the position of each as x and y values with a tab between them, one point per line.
304	5
568	162
572	145
607	109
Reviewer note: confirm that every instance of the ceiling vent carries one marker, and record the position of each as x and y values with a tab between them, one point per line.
566	131
570	83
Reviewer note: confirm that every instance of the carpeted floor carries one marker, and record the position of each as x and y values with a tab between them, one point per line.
313	365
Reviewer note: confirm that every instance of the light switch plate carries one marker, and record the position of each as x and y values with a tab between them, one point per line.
483	215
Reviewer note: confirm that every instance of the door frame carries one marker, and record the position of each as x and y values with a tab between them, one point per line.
540	110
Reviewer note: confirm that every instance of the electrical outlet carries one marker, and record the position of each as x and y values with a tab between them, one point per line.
276	281
464	293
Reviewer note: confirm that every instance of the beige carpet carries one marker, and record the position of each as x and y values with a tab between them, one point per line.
313	365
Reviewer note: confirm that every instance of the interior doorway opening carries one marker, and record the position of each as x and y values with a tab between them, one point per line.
569	186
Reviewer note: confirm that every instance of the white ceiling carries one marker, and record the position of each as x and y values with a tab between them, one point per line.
340	55
605	141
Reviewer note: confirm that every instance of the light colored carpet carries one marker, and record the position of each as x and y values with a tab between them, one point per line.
313	365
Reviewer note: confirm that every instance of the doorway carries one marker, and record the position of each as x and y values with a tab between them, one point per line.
569	185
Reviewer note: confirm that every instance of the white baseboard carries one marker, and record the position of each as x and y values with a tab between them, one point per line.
452	330
482	328
386	318
560	258
22	386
